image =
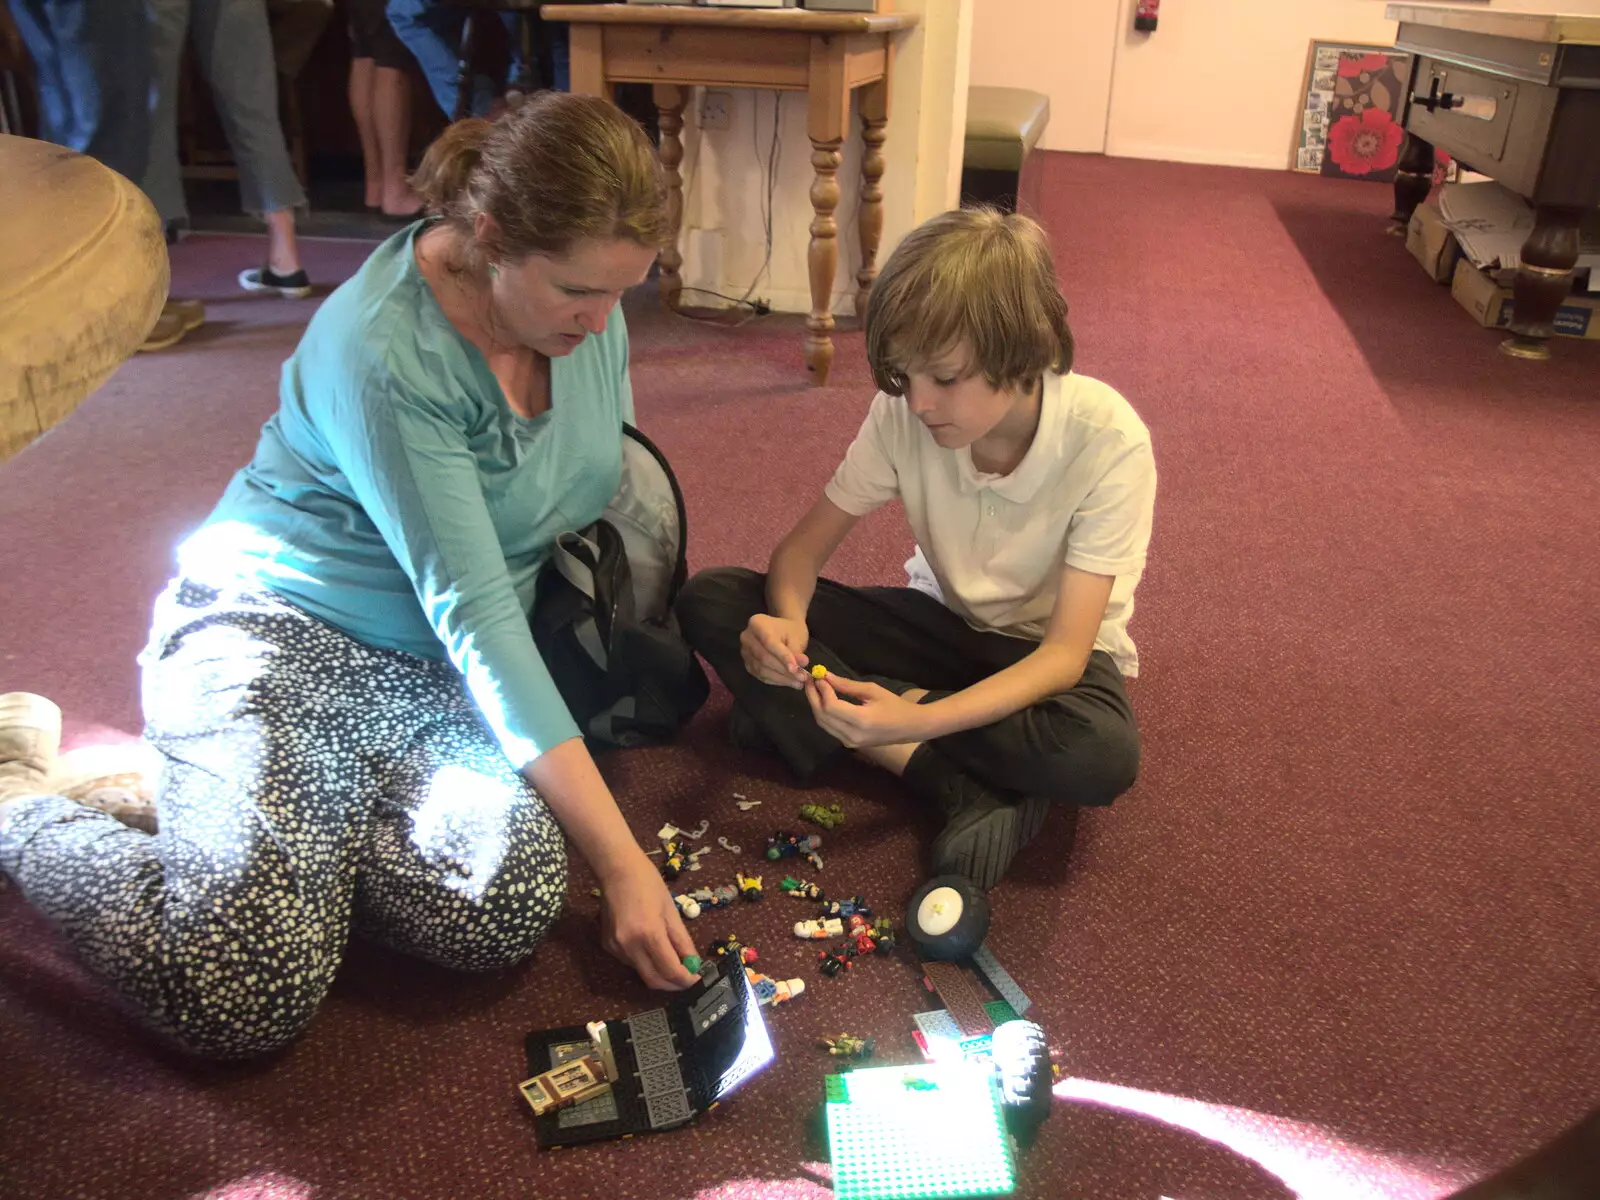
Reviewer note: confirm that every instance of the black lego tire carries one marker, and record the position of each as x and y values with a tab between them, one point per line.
1023	1059
959	939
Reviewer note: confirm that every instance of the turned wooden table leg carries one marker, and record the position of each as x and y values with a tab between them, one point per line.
1543	280
874	119
1413	180
670	100
823	255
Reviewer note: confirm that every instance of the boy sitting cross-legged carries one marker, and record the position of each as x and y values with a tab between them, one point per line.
993	683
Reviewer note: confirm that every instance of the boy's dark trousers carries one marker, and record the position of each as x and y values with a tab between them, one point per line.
1079	747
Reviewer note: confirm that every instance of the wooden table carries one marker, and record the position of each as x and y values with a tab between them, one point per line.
827	55
1515	96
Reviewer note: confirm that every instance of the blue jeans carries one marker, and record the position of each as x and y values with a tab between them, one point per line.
431	30
234	49
92	59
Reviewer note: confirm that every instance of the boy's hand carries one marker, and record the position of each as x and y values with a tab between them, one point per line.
877	717
773	649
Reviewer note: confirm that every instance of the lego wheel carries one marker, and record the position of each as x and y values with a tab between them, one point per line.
1023	1060
948	917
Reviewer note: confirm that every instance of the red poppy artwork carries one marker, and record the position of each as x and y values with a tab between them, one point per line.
1362	127
1352	65
1364	144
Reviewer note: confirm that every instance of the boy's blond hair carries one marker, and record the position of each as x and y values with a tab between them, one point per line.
977	278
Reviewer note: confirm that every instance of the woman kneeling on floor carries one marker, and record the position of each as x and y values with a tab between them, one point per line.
356	727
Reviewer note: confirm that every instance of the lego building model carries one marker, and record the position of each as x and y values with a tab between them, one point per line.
653	1071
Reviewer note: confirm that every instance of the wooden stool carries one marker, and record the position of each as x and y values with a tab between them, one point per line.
1000	164
83	276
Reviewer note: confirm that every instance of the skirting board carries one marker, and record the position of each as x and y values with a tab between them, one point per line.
1261	160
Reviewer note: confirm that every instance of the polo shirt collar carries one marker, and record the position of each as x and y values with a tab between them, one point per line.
1020	486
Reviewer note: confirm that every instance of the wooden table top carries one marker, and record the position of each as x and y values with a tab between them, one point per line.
794	20
1548	28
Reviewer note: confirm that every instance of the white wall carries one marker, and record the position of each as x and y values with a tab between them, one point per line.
1063	48
724	238
1215	83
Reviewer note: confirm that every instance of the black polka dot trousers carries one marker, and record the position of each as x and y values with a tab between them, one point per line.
313	785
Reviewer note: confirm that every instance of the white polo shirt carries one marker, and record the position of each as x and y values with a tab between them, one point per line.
991	547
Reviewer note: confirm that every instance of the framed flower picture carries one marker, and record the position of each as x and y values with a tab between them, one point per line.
1348	119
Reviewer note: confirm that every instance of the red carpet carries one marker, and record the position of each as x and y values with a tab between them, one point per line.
1340	941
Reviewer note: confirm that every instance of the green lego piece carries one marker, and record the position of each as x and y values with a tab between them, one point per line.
1000	1011
915	1133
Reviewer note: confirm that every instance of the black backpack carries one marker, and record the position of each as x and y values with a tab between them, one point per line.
602	617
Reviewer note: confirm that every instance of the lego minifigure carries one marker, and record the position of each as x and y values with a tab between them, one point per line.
730	947
860	934
817	930
831	962
850	907
818	815
783	844
676	859
800	889
883	934
774	991
688	906
749	885
718	897
846	1045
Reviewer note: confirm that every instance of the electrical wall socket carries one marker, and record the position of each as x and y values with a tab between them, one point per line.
716	111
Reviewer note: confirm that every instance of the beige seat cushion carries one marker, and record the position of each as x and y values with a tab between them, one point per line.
83	275
1003	125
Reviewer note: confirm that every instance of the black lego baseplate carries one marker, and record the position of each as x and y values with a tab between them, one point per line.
673	1062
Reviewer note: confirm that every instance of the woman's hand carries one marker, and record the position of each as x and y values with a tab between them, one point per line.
877	717
773	649
640	924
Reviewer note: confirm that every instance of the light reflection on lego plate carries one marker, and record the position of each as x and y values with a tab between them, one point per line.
1313	1161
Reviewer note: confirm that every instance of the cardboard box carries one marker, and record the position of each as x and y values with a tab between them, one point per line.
1432	244
1491	304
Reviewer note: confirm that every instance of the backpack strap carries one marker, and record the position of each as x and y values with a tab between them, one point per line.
576	558
680	571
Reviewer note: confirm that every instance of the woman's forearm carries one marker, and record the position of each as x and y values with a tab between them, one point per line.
568	781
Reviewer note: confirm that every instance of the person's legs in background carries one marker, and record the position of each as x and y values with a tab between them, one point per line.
234	48
432	32
363	73
93	76
560	57
380	101
168	27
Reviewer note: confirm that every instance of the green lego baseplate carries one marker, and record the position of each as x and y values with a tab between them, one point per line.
918	1132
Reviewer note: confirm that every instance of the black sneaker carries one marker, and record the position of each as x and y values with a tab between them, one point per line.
264	279
983	828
